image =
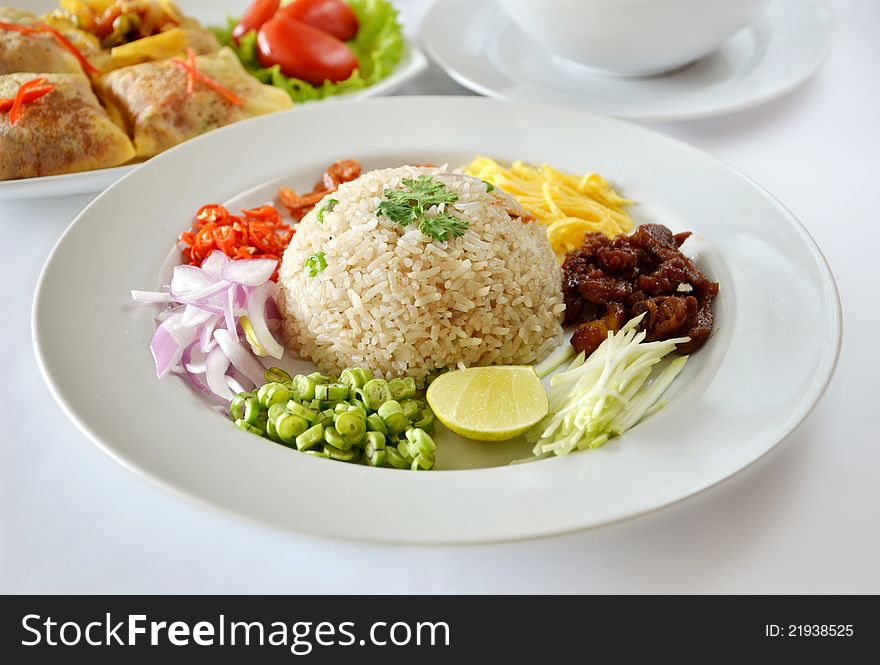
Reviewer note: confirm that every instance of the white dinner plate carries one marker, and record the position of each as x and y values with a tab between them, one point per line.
481	48
768	361
210	13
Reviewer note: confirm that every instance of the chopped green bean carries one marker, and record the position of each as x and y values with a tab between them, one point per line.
310	438
376	424
422	462
351	427
333	392
402	388
396	423
334	438
376	440
317	377
301	411
375	393
404	450
236	407
327	207
322	419
262	420
395	459
315	264
304	387
411	409
374	449
289	427
273	393
395	420
276	375
276	411
250	412
420	442
359	410
356	377
338	453
247	427
353	417
271	432
426	422
388	408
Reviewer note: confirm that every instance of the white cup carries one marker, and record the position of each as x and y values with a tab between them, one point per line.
632	37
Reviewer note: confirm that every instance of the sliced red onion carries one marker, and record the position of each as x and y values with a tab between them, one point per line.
150	296
256	311
249	272
204	296
206	338
215	263
165	349
201	340
195	379
241	296
229	313
234	385
215	373
184	335
241	358
272	311
194	316
187	280
242	380
213	309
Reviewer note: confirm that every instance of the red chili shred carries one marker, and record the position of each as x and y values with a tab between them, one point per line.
259	233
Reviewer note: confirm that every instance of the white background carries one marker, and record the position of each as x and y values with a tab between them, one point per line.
802	519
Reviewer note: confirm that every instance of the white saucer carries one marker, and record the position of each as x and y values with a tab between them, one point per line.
478	46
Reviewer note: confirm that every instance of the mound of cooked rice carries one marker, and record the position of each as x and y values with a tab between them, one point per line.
396	301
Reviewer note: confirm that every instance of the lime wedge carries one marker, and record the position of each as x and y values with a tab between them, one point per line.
488	403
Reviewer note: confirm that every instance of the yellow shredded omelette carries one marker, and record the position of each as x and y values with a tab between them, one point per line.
568	205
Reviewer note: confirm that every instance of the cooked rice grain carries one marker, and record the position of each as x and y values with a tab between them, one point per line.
398	302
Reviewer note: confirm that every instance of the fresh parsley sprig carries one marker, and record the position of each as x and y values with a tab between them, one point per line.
410	205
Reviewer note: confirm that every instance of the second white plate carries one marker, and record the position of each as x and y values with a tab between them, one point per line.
481	48
211	13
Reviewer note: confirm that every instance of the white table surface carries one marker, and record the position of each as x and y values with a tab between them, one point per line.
802	519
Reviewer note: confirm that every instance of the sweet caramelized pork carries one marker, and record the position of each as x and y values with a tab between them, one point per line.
608	281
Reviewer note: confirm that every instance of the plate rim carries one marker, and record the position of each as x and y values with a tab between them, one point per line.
808	71
806	401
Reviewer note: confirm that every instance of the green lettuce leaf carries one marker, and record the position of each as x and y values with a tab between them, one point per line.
379	46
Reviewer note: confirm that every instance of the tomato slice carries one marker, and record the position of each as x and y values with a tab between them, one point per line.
254	17
332	16
304	52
